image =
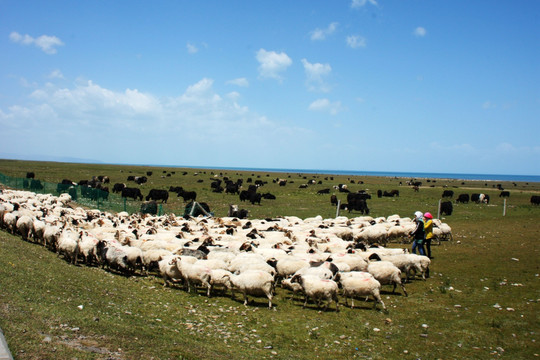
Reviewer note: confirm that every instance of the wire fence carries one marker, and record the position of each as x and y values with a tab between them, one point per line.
84	195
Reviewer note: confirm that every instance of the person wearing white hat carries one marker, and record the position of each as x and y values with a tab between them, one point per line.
418	234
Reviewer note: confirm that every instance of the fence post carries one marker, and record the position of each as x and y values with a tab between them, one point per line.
439	210
504	209
338	206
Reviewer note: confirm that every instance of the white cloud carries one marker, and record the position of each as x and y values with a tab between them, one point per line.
324	105
46	43
315	73
272	63
355	4
321	34
76	116
56	74
488	105
242	82
356	41
420	31
192	49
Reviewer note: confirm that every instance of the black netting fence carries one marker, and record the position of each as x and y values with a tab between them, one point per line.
84	195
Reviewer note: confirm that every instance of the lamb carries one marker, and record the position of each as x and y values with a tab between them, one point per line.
253	282
318	289
360	283
387	274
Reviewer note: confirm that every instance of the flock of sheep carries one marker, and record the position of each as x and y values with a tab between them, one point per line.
319	258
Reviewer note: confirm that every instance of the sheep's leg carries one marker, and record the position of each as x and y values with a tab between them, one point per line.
270	297
404	291
377	298
245	299
335	297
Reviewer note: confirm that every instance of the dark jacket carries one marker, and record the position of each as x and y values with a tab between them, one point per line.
418	233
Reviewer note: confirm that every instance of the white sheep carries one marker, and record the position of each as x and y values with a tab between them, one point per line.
68	244
360	283
151	258
387	274
25	226
294	287
134	258
220	278
115	256
194	274
51	235
287	267
38	230
355	261
410	262
10	221
318	289
169	271
88	245
254	282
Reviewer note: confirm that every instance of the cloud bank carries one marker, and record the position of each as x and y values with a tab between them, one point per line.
46	43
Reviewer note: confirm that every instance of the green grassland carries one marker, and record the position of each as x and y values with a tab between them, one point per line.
481	301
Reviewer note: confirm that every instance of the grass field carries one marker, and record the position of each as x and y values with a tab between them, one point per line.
481	301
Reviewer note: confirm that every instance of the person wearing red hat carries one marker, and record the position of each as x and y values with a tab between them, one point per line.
428	230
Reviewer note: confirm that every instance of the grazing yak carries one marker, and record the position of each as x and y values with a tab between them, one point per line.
446	208
463	198
448	193
133	193
156	195
357	202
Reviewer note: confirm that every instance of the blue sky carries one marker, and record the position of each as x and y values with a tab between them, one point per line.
367	85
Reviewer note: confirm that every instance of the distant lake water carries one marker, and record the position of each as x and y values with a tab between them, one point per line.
406	175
